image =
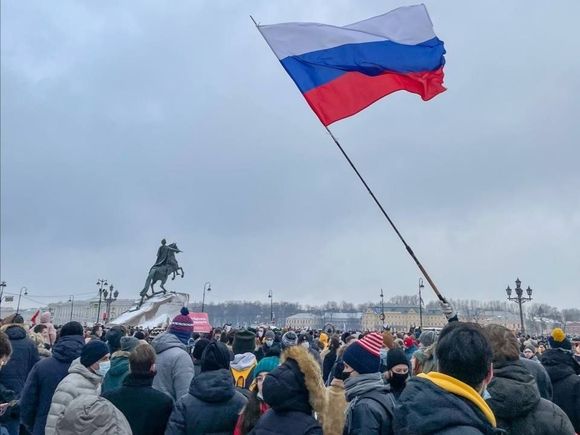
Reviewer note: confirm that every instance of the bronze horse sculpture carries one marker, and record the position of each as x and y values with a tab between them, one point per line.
165	265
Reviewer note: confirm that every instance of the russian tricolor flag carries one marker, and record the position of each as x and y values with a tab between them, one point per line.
342	70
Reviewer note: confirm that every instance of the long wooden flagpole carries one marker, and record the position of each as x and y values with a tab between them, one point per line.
377	202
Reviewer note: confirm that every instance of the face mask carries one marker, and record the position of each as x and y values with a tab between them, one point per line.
269	343
306	344
104	367
397	380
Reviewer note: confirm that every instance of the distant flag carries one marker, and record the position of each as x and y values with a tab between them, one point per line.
342	70
34	317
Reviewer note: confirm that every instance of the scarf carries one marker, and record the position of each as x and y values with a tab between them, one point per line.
359	385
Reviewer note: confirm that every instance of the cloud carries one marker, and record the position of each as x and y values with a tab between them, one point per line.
126	123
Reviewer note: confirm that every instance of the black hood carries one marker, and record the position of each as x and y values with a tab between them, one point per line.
68	348
284	389
514	392
559	364
15	332
424	408
213	386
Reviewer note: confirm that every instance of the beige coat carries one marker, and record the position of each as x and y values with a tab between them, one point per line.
79	381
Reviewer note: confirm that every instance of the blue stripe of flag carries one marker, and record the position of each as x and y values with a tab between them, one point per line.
316	68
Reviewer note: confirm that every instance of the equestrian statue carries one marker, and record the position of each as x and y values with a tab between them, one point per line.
165	265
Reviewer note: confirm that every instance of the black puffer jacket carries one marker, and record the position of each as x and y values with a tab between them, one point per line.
563	371
518	407
285	391
14	373
541	376
211	406
424	408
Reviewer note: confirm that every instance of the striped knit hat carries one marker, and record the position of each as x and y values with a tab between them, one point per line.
364	355
182	326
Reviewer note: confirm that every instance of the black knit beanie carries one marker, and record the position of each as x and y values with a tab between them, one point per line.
71	328
215	356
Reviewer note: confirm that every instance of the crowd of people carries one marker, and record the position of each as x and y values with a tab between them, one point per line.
465	379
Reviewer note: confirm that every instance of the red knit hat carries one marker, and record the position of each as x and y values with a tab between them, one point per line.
182	326
408	342
372	342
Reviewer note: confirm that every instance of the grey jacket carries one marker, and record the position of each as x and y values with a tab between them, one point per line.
174	366
79	381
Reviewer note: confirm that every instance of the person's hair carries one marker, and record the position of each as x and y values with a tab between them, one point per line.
463	352
39	328
142	358
5	346
251	413
504	344
334	343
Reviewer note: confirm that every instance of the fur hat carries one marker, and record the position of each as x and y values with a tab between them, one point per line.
244	341
558	340
216	356
113	337
92	352
182	326
364	355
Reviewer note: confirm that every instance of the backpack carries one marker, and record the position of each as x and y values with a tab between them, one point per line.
243	378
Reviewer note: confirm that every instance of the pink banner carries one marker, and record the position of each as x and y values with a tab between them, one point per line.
200	322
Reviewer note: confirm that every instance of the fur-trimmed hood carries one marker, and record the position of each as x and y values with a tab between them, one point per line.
296	385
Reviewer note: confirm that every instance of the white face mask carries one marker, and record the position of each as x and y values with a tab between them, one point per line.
269	342
104	367
306	344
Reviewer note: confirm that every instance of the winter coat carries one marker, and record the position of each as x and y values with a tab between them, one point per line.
80	380
328	364
174	366
426	408
146	409
45	319
370	411
13	375
211	407
518	407
293	390
563	371
43	380
541	376
118	371
242	369
92	415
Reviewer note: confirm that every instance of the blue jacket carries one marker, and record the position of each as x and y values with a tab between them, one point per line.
43	380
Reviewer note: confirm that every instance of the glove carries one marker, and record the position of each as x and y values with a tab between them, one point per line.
448	310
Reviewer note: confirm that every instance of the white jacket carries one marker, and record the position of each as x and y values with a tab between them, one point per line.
79	381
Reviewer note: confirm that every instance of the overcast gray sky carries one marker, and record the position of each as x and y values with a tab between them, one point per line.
126	122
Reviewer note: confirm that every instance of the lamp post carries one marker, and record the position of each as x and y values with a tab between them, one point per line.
206	288
71	299
110	297
101	283
2	285
271	307
421	303
20	297
520	299
382	307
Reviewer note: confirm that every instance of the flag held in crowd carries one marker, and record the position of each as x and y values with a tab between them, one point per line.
342	70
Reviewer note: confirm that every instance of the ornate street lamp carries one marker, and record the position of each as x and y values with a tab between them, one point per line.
520	299
71	299
421	286
110	297
101	283
271	307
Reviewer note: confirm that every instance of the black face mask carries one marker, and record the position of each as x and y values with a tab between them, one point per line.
397	381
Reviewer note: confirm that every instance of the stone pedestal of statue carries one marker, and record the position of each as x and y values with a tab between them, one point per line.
154	312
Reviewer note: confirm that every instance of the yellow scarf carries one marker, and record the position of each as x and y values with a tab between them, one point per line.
455	386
